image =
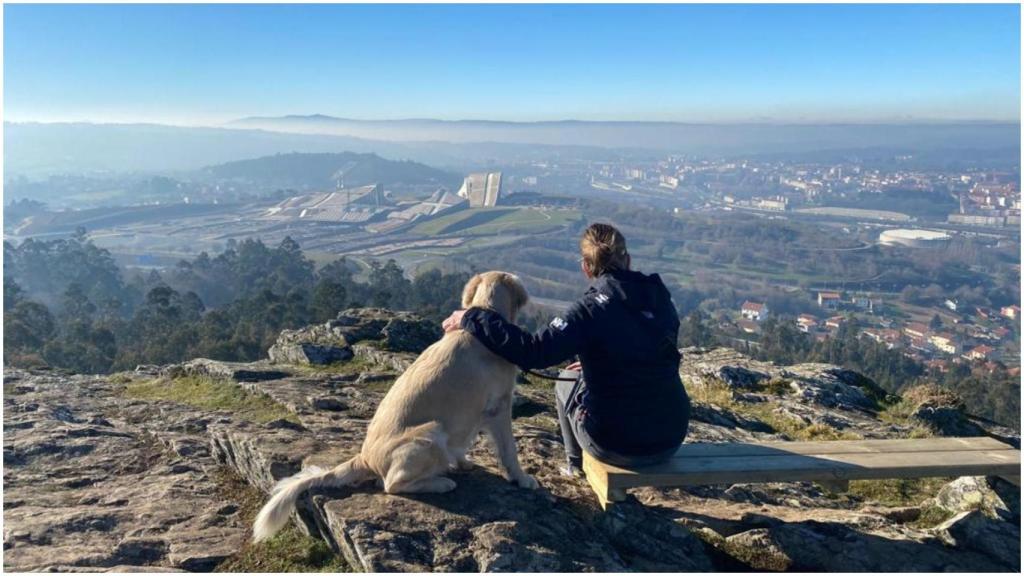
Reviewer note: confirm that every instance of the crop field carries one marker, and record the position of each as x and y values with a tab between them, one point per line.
480	221
526	220
458	221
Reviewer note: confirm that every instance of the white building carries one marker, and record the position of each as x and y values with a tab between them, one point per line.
755	311
481	189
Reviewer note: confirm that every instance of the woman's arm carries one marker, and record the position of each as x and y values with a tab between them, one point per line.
562	339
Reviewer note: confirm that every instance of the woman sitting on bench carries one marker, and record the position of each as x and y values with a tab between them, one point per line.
628	406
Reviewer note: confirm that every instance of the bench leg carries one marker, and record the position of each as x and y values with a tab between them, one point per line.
598	481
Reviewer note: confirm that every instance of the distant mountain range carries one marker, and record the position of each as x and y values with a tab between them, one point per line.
740	138
325	170
40	149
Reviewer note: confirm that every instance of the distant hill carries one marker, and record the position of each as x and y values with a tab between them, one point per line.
732	138
36	149
323	170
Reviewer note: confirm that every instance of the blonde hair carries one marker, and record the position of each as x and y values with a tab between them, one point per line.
603	248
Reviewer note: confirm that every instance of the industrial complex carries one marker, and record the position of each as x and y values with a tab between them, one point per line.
348	205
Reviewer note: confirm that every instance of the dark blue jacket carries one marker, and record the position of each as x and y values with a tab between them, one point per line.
624	330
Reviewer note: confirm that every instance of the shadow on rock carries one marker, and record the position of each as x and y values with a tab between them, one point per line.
489	524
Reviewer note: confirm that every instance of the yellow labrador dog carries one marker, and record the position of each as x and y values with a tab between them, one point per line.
431	416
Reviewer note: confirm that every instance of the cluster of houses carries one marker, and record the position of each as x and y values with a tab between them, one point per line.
817	327
939	346
934	346
752	313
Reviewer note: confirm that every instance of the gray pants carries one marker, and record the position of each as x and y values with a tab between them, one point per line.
574	434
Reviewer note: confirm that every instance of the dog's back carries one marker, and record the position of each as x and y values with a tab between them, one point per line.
451	382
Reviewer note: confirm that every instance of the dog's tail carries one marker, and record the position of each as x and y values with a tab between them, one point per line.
275	513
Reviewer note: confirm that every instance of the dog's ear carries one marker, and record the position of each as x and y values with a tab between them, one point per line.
469	292
516	290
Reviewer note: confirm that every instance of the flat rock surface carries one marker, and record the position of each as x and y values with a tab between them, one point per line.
86	487
95	481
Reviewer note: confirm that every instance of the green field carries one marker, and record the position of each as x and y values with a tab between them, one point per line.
482	221
439	225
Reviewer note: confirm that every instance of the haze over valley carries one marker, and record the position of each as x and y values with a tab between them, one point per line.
778	226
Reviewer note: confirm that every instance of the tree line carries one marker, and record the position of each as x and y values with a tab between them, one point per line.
68	305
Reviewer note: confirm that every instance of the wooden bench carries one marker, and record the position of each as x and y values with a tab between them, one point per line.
832	464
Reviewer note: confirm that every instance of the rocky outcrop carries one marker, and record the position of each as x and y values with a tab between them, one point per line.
940	410
88	487
725	365
821	384
96	480
973	530
838	547
318	345
237	371
333	341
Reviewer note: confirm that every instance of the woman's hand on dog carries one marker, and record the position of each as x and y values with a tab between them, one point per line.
453	322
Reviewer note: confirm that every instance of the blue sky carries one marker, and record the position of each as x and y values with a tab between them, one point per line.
212	63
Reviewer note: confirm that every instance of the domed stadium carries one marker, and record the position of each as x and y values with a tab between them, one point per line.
913	238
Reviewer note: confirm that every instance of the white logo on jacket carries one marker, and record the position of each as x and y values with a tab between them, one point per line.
558	324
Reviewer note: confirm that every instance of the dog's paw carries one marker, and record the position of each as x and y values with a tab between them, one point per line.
528	482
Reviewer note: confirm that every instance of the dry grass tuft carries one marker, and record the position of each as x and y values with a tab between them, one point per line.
211	394
288	551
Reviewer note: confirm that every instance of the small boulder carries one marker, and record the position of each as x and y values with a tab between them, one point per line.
941	410
829	386
971	493
946	420
357	324
333	341
319	345
757	549
973	530
410	334
740	377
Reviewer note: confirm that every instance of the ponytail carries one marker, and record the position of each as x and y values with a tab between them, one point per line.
603	248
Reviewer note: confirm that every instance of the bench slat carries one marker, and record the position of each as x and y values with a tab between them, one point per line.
833	463
796	467
729	449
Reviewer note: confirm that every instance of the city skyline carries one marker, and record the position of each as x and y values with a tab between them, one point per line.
210	64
